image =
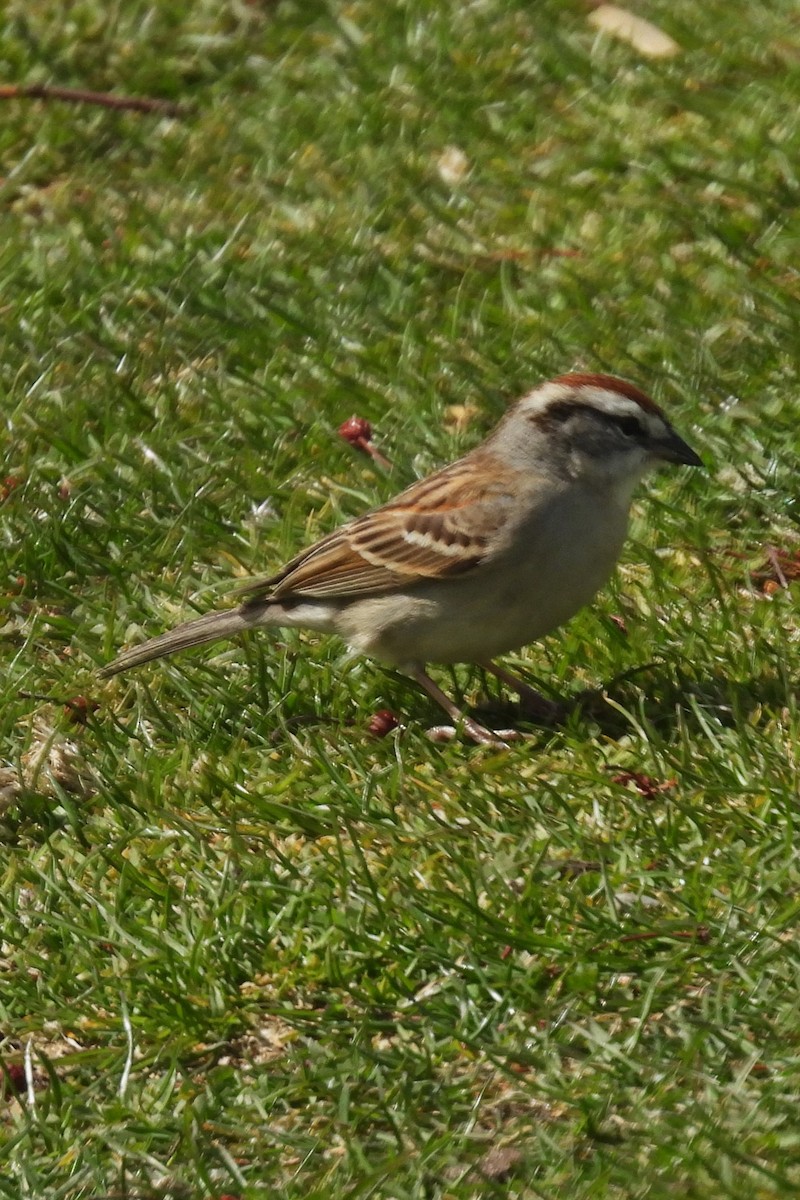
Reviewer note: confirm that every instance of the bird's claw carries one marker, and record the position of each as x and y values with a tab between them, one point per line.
498	738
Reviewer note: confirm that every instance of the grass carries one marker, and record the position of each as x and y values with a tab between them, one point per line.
248	950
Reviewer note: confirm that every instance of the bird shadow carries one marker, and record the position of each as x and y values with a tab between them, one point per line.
660	695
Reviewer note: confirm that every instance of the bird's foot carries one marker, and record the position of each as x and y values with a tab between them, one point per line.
499	738
445	733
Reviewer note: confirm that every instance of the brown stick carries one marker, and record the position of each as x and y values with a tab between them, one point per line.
46	91
701	934
774	557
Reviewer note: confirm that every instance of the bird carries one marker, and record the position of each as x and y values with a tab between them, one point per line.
492	552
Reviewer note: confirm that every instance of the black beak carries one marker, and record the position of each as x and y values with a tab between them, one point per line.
674	449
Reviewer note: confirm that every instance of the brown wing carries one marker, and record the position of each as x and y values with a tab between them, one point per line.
438	528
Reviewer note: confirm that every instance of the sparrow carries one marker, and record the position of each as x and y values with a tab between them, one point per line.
483	556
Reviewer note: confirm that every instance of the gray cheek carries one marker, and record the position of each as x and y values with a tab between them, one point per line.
595	459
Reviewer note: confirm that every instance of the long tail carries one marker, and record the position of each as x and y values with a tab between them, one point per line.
210	628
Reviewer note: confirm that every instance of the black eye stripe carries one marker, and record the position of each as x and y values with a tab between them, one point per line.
628	425
560	411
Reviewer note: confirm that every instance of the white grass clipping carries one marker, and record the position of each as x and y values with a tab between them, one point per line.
645	37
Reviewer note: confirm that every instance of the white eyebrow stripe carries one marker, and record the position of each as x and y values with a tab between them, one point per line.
612	404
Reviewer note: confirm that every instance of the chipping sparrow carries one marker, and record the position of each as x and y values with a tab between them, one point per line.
485	555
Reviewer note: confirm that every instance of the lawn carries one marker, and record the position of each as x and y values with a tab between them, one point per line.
249	949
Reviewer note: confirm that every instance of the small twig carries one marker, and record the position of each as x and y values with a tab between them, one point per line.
701	934
46	91
78	709
41	696
774	558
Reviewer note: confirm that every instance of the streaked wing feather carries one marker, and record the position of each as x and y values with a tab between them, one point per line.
333	568
439	527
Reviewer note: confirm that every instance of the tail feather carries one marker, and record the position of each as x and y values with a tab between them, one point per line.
210	628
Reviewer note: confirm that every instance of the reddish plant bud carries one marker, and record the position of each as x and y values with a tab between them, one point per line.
79	709
15	1074
382	722
355	430
8	485
644	784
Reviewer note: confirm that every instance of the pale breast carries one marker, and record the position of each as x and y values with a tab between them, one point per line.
554	567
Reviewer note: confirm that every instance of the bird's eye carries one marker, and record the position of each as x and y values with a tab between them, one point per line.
629	426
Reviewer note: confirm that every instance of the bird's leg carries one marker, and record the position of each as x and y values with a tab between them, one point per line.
534	704
477	733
